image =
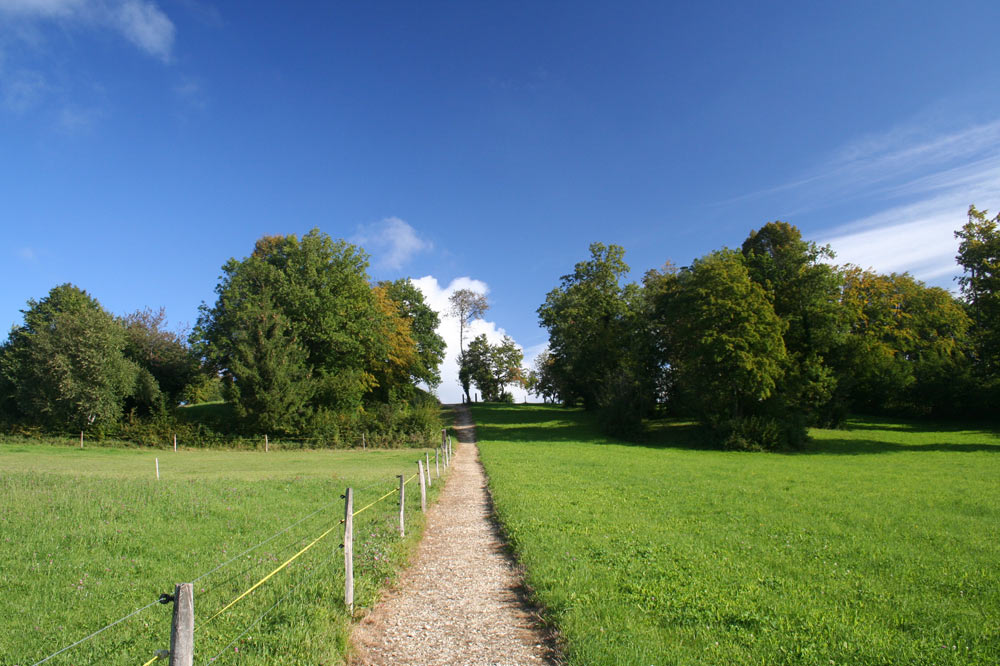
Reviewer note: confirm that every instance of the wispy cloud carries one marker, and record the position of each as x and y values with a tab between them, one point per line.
27	254
146	26
892	164
141	22
190	93
929	187
74	119
917	184
22	90
392	242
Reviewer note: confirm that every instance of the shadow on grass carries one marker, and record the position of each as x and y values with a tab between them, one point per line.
847	446
549	423
887	425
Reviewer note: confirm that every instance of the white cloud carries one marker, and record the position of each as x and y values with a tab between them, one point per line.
141	22
43	8
146	26
938	178
392	242
27	254
436	297
917	181
891	165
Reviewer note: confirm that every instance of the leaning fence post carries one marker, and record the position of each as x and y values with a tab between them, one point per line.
349	549
423	487
182	627
402	505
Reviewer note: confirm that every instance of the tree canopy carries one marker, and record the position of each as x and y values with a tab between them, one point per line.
759	343
64	367
297	330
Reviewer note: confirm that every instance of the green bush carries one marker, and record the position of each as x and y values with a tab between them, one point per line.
761	433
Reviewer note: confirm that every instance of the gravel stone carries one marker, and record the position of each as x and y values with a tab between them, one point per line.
462	601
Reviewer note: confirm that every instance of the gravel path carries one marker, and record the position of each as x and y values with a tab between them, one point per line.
461	601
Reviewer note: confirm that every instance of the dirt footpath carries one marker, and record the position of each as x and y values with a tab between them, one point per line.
460	602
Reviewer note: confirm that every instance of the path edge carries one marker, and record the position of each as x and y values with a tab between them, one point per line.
552	639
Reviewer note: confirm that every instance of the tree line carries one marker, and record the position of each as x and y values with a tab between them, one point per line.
300	342
759	343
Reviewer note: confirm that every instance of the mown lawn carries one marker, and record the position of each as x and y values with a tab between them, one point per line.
87	536
878	545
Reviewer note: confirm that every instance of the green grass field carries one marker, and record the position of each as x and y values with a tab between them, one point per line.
87	536
877	545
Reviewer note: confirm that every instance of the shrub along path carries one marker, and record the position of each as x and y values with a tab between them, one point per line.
461	601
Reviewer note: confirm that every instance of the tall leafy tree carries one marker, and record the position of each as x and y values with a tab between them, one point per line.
65	364
492	368
729	354
268	377
423	322
466	305
588	317
804	292
394	370
979	256
163	353
337	333
907	351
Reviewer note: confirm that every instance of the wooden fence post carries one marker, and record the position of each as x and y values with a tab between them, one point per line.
267	444
402	505
81	439
157	468
364	444
427	455
437	463
444	436
175	442
182	626
423	488
349	549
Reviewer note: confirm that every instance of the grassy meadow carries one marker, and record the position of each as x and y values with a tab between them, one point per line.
877	545
88	536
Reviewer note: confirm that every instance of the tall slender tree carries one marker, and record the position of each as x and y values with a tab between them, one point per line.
466	306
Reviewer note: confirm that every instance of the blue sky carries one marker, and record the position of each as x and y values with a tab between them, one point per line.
143	143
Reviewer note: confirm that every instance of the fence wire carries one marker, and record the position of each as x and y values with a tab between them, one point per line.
99	631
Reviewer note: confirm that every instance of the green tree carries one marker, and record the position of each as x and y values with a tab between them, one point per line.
805	294
466	305
907	352
589	320
337	335
268	377
424	322
979	256
393	371
164	354
64	367
729	355
492	368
